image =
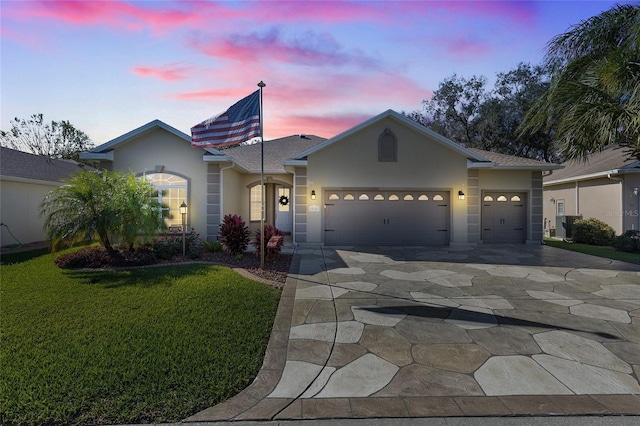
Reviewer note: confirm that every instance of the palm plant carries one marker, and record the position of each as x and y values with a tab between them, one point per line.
113	206
594	97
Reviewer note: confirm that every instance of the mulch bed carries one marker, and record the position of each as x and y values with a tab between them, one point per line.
275	271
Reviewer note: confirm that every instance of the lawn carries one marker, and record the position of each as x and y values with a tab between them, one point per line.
145	345
608	252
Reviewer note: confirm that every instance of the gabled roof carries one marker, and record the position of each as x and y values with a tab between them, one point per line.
402	119
102	152
23	165
477	158
611	160
276	152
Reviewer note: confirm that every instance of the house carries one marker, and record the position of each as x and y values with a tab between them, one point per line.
605	187
25	179
386	181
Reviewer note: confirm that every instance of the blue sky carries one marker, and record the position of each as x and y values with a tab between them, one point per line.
112	66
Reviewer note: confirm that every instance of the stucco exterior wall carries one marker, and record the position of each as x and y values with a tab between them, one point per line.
352	162
596	198
631	202
161	148
20	210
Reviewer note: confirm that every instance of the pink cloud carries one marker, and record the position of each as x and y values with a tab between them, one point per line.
462	47
521	12
325	126
171	72
308	48
119	14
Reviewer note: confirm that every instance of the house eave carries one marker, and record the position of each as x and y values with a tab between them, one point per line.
102	156
296	163
18	179
591	176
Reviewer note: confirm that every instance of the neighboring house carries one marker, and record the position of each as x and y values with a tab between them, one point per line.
605	187
387	181
25	179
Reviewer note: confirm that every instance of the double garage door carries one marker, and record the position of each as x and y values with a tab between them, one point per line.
368	218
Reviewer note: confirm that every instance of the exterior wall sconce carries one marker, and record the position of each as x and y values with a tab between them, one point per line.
460	195
313	194
183	212
636	191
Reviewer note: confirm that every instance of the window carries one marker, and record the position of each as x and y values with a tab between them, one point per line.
393	197
423	198
387	146
171	191
348	197
408	198
502	198
334	197
363	197
378	197
560	207
255	203
437	197
515	198
488	198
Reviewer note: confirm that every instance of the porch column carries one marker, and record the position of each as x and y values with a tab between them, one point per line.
300	219
473	206
536	206
214	218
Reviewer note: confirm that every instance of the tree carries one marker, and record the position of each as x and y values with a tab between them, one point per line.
514	93
468	112
594	96
58	139
454	109
116	207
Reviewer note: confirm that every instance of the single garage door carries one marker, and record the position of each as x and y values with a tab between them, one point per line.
504	217
369	218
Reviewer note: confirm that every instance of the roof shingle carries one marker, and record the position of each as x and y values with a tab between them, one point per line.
30	166
276	152
611	158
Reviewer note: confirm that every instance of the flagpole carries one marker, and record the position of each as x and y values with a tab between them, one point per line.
261	85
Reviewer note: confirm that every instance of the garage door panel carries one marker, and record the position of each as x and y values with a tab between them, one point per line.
504	217
387	218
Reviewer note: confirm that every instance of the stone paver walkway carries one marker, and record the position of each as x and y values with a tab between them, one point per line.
456	331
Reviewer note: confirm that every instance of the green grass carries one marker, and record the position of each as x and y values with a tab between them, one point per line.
608	252
143	345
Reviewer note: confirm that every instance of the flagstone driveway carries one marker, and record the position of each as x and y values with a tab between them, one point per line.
455	331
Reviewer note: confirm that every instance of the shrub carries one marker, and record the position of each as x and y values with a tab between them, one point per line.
629	242
99	257
211	245
170	245
269	231
592	231
234	234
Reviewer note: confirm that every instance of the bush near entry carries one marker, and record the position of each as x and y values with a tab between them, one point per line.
629	242
592	231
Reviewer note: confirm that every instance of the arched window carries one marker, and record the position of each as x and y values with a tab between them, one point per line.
255	203
363	197
334	197
171	191
488	198
387	146
408	198
438	197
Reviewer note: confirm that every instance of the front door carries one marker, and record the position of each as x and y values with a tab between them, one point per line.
283	209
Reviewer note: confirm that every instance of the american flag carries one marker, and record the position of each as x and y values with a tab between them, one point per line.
238	124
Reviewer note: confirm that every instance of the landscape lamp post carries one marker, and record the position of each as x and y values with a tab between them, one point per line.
183	212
